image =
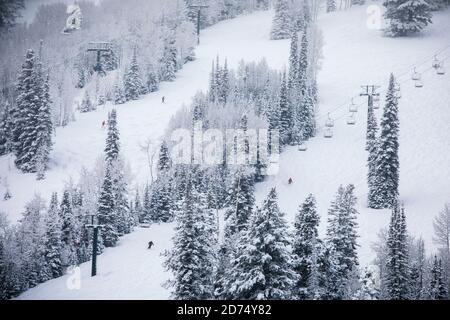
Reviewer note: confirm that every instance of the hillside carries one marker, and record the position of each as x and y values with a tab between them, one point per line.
353	55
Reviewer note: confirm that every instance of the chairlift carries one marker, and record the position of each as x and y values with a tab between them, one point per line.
351	119
330	122
436	63
302	146
353	107
376	98
440	70
415	76
418	84
328	133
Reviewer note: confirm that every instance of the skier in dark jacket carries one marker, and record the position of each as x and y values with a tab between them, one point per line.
150	244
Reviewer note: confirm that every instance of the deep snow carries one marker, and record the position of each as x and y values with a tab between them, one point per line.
353	55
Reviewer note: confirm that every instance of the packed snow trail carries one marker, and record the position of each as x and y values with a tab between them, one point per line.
82	142
353	55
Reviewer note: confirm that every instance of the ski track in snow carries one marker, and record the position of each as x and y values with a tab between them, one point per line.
353	55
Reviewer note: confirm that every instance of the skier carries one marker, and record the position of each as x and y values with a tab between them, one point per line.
163	99
290	181
103	124
150	244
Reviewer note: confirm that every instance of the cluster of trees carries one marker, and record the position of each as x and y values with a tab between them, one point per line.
405	271
26	125
10	12
50	239
291	16
150	41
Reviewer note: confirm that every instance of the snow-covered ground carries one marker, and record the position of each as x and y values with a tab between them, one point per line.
353	55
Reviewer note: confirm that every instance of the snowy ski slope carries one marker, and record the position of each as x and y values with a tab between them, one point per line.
353	55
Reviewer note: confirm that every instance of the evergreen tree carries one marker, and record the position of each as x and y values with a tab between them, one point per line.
368	287
133	82
341	237
397	266
387	179
438	289
146	216
32	116
53	243
192	259
282	21
305	247
406	16
5	127
164	162
285	122
262	266
86	104
168	62
161	202
119	94
68	230
372	147
293	76
106	213
112	140
240	201
152	79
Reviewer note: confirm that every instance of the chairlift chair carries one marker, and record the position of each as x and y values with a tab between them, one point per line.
418	84
376	105
330	122
415	76
351	119
440	70
328	133
353	107
376	98
302	146
436	63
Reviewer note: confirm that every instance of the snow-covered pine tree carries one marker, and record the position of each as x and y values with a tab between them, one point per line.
293	76
262	266
331	5
368	286
406	16
53	241
164	161
152	79
168	62
387	180
32	118
86	103
224	84
161	201
282	21
31	232
286	120
397	265
438	289
133	81
146	216
5	127
305	248
192	260
112	147
120	196
106	213
137	207
240	201
372	168
119	94
341	237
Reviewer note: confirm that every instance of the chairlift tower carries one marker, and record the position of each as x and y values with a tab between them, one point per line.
99	48
199	8
95	226
370	92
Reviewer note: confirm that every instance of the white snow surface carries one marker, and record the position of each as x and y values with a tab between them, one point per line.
353	55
